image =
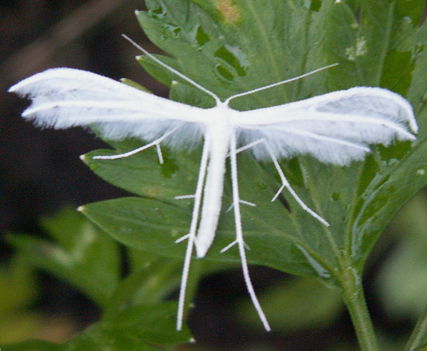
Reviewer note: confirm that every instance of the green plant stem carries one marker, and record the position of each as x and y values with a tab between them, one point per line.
354	299
419	334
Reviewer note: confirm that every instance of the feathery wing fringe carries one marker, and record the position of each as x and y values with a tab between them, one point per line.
334	128
65	97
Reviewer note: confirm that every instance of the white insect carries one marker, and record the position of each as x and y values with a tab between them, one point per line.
334	128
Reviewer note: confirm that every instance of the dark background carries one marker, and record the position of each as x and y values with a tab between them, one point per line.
40	170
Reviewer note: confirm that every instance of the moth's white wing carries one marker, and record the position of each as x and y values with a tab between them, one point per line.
334	128
65	97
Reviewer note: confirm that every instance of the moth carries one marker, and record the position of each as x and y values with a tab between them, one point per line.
335	128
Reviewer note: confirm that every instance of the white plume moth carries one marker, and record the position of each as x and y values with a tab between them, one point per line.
334	128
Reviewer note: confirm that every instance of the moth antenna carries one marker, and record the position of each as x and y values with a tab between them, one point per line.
173	70
279	83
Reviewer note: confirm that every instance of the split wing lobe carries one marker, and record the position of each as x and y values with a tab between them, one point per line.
335	128
65	97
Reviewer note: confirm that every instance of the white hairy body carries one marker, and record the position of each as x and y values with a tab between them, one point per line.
334	128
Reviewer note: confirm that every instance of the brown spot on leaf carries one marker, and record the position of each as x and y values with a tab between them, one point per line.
152	191
229	10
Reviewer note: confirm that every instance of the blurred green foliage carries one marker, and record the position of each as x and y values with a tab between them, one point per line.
18	291
134	315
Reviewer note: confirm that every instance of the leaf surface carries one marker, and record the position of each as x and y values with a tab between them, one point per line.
81	254
234	46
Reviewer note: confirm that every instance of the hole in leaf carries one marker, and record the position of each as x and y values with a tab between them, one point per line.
224	72
201	37
226	55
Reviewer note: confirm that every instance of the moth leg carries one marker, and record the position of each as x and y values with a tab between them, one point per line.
233	243
155	143
159	153
182	197
191	236
250	145
244	202
247	146
285	184
186	237
182	238
239	233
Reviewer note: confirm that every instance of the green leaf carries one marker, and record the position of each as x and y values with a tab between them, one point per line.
17	276
218	44
295	305
154	225
147	328
176	178
144	327
152	279
401	281
18	291
81	254
419	334
33	345
233	46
